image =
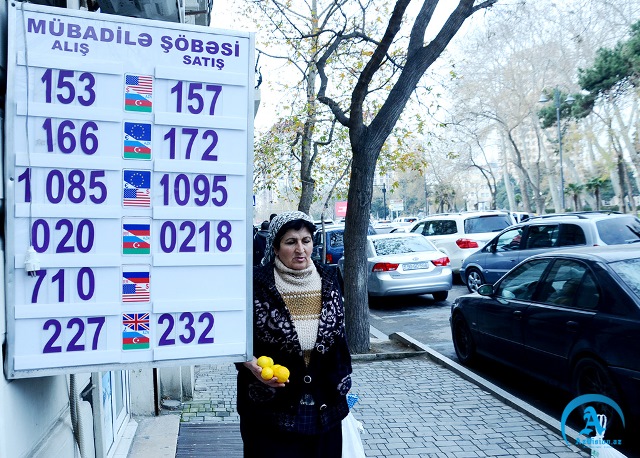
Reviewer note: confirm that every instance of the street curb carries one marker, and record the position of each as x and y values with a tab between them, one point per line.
384	356
496	391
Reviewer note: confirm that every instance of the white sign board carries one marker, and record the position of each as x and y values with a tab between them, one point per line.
396	205
128	170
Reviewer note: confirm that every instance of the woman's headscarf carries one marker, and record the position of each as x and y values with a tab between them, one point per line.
275	226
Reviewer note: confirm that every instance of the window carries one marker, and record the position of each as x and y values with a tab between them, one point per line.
441	227
521	283
489	223
570	284
571	234
629	271
625	229
543	236
401	245
510	240
419	228
336	238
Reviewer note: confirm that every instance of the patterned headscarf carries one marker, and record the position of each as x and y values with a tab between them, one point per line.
274	228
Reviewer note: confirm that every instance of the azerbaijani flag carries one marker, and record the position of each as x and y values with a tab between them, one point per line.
134	341
138	93
135	331
136	236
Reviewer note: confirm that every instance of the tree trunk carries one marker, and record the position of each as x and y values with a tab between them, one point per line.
307	183
355	267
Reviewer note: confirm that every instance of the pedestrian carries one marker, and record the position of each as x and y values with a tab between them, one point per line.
298	321
260	242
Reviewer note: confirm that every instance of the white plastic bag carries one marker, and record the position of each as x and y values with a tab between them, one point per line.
351	440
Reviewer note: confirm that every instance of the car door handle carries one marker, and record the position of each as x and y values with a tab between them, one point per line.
572	326
517	314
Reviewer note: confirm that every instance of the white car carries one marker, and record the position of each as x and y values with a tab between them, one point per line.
405	264
460	234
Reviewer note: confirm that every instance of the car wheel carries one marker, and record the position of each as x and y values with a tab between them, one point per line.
474	279
440	296
463	340
592	377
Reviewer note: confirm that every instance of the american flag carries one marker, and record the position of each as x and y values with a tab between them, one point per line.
136	192
135	284
139	84
136	321
134	293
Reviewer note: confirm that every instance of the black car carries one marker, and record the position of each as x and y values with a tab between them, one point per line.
569	317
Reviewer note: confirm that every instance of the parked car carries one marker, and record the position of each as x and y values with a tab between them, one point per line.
383	226
521	217
570	317
334	235
460	234
403	264
541	234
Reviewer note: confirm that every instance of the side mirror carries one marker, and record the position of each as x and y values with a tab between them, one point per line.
493	248
485	290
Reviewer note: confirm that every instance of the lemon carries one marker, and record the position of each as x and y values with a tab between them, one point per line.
275	366
267	373
282	373
265	361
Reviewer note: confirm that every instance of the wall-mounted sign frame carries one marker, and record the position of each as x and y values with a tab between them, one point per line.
128	164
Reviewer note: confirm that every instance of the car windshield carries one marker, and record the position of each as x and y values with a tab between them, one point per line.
629	271
401	245
615	231
488	223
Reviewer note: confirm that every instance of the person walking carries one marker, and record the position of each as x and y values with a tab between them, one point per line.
260	242
298	321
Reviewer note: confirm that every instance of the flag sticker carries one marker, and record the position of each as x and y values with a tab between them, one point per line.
138	93
136	236
136	188
135	284
135	331
137	141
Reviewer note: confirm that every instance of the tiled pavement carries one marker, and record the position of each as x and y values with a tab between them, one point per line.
410	407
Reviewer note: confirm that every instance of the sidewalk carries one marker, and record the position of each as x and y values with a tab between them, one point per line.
423	405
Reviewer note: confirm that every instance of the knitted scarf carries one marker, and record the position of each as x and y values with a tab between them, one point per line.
301	291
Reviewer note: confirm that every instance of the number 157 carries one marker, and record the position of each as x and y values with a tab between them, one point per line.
197	96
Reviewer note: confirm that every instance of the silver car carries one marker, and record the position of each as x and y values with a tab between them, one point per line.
405	264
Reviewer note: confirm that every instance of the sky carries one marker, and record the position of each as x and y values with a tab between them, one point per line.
226	15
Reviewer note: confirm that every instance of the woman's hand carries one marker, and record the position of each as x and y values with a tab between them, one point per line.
257	371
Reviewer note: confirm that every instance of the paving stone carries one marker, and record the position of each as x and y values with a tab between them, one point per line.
428	411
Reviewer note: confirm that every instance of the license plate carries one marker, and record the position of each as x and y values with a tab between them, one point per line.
416	265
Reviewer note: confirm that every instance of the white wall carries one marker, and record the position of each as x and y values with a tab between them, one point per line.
34	417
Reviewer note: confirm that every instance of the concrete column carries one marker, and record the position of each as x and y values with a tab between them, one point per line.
141	389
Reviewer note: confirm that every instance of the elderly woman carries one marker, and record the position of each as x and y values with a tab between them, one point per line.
298	320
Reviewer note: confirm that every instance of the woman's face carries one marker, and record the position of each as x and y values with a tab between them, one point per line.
295	249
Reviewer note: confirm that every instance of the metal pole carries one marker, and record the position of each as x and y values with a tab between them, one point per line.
556	98
384	200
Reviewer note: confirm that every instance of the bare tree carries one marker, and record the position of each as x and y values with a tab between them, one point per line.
367	140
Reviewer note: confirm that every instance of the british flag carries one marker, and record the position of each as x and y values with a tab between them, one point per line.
136	321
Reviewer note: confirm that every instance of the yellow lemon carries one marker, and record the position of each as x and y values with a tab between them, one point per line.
282	373
267	373
275	366
265	361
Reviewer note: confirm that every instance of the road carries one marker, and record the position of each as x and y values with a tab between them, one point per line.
428	322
